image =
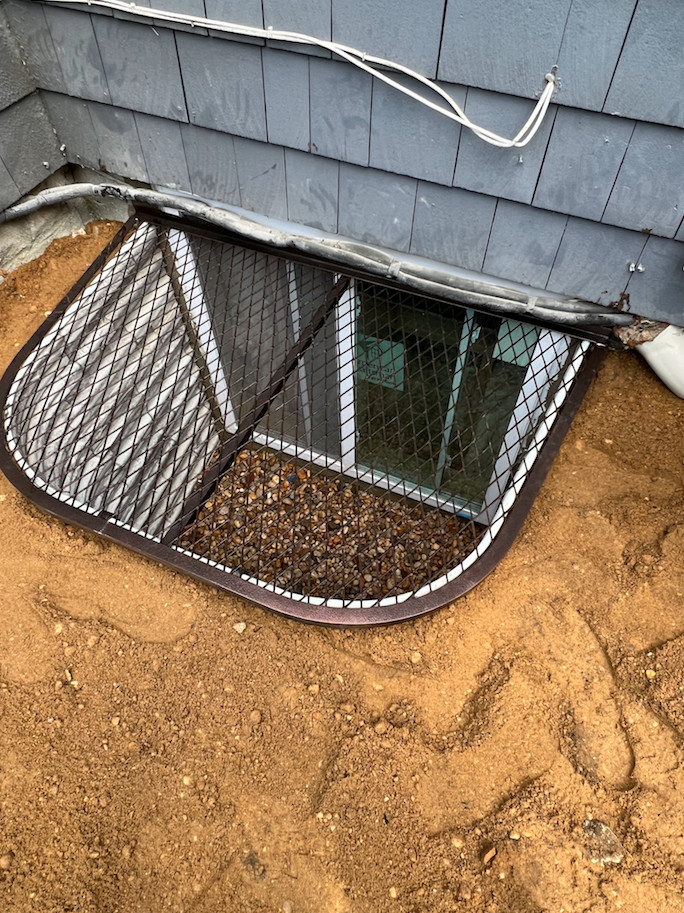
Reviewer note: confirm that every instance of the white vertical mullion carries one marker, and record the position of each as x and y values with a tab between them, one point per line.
469	334
547	360
304	399
345	326
193	293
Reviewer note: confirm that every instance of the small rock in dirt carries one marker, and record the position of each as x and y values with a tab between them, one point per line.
288	907
650	674
5	861
314	689
393	893
602	844
514	835
489	855
188	781
416	657
116	720
381	727
240	627
255	717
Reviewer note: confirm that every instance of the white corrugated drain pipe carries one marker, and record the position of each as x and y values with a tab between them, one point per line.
665	355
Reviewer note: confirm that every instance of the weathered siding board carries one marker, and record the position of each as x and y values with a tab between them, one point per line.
408	138
241	12
337	111
310	18
505	46
286	87
582	161
162	146
649	190
657	292
188	7
509	173
261	177
79	57
400	30
593	261
340	111
71	119
452	225
29	148
15	81
9	192
592	41
376	207
648	80
224	85
29	26
523	243
497	45
141	67
117	136
312	187
211	164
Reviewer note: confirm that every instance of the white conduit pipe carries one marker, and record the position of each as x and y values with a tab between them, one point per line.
360	59
423	279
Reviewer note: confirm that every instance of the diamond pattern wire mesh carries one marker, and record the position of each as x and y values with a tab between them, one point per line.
324	437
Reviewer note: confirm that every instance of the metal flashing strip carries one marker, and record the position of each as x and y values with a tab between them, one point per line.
332	448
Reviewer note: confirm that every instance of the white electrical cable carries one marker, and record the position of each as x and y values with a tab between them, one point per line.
358	59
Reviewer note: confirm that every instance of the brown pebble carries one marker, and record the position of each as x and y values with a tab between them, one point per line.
314	689
188	781
255	717
416	657
393	893
650	674
5	861
489	855
381	727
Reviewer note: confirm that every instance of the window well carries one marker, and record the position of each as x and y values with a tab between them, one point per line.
328	446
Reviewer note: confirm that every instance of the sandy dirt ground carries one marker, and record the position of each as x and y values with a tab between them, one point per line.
167	747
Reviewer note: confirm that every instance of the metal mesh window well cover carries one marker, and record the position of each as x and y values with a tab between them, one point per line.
327	446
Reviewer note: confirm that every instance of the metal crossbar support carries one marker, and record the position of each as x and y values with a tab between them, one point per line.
237	441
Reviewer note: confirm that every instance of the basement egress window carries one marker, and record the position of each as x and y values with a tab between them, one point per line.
328	446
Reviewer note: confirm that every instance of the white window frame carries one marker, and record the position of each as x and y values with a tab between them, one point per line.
193	293
549	355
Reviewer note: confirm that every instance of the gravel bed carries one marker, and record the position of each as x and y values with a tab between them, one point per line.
295	525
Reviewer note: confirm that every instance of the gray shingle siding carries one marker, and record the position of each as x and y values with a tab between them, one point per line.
314	140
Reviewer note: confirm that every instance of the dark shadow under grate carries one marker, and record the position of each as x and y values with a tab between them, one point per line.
318	442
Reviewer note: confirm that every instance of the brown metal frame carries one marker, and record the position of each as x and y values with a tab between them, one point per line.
232	583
